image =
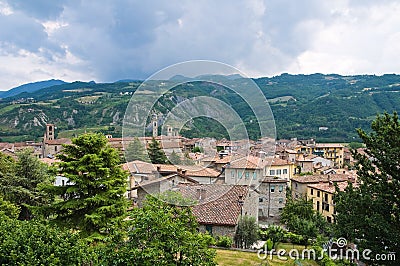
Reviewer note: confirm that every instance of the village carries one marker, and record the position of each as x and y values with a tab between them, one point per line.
228	179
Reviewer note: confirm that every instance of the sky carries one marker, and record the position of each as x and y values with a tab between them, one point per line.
110	40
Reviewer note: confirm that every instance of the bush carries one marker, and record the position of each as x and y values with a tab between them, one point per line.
224	241
294	238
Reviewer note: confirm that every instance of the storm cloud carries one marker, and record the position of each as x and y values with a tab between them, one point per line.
111	40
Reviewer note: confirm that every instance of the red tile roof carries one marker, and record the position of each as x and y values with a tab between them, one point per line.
330	187
220	205
322	178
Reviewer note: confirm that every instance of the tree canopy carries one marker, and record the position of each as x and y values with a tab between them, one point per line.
22	181
162	234
93	199
136	151
369	213
299	217
156	154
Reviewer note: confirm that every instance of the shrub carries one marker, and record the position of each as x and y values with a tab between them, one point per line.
224	241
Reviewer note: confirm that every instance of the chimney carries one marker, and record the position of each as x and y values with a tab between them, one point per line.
179	170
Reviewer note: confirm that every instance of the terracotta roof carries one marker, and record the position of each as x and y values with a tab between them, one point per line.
330	187
49	161
58	141
252	162
220	205
274	179
139	167
165	178
148	168
321	178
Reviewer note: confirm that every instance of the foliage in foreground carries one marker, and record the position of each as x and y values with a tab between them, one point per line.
300	218
369	213
162	234
93	200
246	232
37	243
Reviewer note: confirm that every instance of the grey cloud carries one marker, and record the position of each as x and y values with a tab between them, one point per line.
22	32
42	9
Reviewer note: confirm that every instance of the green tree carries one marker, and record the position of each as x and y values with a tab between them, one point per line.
246	232
162	234
275	233
174	158
8	209
23	184
369	212
38	243
136	151
93	200
300	218
156	154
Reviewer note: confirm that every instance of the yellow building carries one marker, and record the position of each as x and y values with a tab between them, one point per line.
330	151
321	195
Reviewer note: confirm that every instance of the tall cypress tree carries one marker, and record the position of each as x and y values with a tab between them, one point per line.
136	151
93	199
156	154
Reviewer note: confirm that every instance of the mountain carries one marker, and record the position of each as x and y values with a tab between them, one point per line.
327	108
31	87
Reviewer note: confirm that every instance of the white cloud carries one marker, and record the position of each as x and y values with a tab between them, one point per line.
111	40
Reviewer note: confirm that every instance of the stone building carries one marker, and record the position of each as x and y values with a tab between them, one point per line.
272	199
220	206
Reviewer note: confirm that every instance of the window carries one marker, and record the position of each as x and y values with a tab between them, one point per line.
240	175
280	188
295	185
260	199
312	191
272	189
326	197
247	174
280	200
279	172
285	171
317	205
271	172
254	175
318	194
232	174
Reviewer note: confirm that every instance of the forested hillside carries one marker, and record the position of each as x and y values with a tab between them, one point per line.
325	107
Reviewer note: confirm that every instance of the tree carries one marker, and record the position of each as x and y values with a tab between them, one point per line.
369	212
93	199
162	234
274	233
156	154
38	243
23	184
174	158
246	232
136	151
8	209
299	217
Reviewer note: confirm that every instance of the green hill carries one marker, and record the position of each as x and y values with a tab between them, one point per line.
325	107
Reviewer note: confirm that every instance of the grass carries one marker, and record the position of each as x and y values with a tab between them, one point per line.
9	108
240	258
